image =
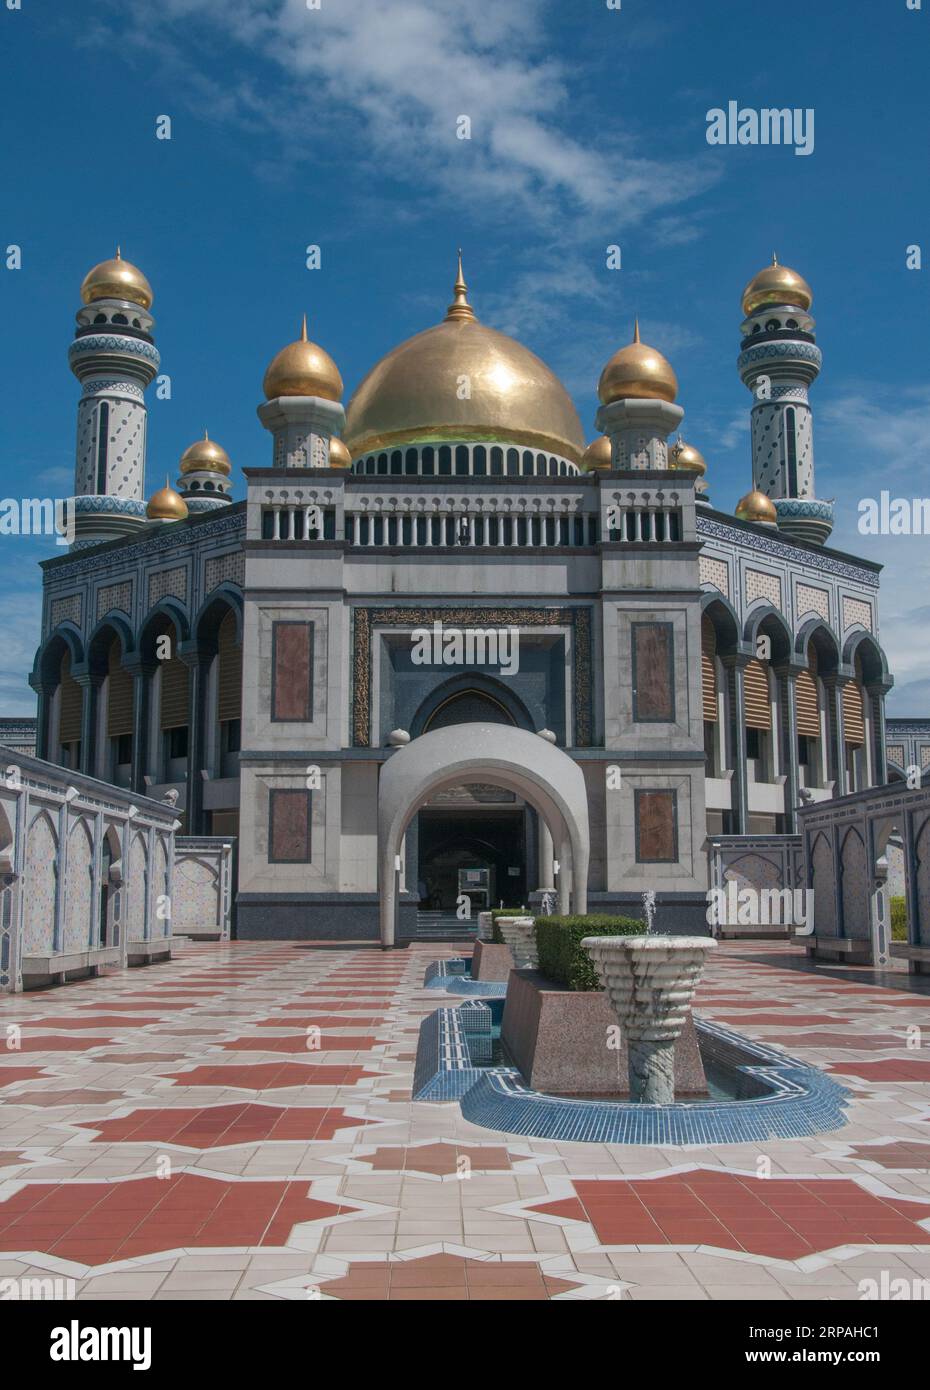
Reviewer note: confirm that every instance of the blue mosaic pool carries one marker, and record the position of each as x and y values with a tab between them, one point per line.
454	977
757	1093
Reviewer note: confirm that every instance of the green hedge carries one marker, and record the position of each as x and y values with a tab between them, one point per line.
559	939
899	919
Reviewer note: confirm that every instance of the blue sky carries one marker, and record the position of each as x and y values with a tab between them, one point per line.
336	126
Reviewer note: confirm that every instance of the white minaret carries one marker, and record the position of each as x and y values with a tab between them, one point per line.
114	357
778	362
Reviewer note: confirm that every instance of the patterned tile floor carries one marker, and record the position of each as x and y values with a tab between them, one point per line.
237	1124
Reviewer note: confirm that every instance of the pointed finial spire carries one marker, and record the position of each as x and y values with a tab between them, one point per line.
303	330
774	258
636	330
205	435
460	307
119	253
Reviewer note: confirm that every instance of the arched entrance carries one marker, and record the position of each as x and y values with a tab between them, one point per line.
499	755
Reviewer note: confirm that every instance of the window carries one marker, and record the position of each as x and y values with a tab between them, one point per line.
103	426
176	740
791	451
232	736
753	744
124	750
804	750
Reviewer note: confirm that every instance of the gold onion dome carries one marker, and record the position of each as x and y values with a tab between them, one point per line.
755	506
414	394
166	505
339	456
777	284
637	372
116	279
682	455
303	369
598	455
206	456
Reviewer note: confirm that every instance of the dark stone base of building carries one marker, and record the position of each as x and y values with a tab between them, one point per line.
317	917
679	914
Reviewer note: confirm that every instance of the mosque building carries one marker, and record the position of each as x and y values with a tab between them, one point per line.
264	658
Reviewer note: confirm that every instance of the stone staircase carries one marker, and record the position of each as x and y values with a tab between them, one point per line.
444	926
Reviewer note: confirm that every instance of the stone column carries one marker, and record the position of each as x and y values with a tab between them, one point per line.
736	666
876	691
833	685
141	672
546	857
788	687
197	658
43	710
89	684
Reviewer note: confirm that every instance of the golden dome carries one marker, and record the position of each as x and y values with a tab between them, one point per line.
682	455
339	456
416	393
207	456
598	455
755	506
116	279
303	369
166	505
637	372
776	284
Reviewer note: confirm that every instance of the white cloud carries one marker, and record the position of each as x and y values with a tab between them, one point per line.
397	77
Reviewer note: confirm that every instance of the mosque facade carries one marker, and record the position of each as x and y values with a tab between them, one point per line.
448	550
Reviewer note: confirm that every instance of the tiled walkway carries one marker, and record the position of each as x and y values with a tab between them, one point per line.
237	1124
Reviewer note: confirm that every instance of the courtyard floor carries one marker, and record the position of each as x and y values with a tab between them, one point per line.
167	1133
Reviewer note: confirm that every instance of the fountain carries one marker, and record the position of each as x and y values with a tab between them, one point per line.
519	933
650	982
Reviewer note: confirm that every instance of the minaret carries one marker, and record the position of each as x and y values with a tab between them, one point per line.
114	357
204	472
302	410
637	390
779	360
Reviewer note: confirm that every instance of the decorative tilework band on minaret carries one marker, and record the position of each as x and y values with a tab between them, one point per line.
114	357
302	409
778	361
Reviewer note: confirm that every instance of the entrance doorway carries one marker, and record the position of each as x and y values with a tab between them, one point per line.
450	843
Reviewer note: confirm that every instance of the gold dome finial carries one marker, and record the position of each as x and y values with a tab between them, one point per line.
598	457
166	505
339	456
303	368
637	372
205	456
116	279
758	507
777	284
682	455
460	307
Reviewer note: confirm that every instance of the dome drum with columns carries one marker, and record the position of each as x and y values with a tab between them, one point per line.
638	606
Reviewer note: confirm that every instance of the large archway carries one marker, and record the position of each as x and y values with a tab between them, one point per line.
515	759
